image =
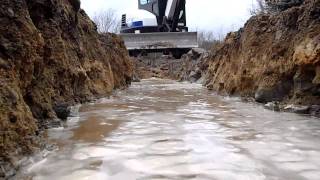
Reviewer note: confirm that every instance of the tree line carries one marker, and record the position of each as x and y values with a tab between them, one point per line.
273	6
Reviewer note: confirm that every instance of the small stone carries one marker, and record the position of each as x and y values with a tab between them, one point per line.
7	171
50	147
135	78
194	76
197	52
12	96
2	172
13	118
62	111
54	123
10	173
316	79
24	161
273	106
209	87
264	95
298	109
10	12
4	64
315	110
275	93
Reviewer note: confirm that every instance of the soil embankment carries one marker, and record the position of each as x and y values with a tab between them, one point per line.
51	57
273	58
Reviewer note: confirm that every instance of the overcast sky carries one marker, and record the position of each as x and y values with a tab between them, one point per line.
211	15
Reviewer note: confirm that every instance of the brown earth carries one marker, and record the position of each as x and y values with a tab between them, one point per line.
48	61
273	57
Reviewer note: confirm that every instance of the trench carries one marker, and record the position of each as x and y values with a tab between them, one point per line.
162	129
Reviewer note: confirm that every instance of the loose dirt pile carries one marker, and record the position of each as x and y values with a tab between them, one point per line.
191	67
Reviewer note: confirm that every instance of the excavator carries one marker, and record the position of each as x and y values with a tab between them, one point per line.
168	36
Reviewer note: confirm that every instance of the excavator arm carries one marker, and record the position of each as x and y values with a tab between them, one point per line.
170	14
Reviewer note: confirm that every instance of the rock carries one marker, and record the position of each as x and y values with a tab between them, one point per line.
12	96
276	92
297	109
274	106
13	117
194	76
10	12
315	110
197	52
135	78
76	5
201	80
2	172
4	64
303	80
62	111
6	171
54	123
10	173
265	95
74	110
316	79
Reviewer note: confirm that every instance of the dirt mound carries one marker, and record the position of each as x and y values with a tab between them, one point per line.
51	56
272	58
190	67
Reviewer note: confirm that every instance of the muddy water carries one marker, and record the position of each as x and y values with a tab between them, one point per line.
160	129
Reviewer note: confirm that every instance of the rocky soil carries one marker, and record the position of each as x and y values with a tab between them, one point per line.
51	57
273	58
191	67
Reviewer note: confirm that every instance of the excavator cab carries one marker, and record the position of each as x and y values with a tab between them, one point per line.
150	5
169	35
155	7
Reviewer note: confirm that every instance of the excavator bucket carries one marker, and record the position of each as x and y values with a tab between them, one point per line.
160	42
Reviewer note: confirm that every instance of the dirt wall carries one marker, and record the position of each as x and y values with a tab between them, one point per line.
51	56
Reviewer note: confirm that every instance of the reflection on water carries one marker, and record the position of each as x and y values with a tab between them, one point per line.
160	129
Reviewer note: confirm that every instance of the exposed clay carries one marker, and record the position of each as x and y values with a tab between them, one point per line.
273	58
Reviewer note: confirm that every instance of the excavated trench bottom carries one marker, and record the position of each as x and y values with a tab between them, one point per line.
161	129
